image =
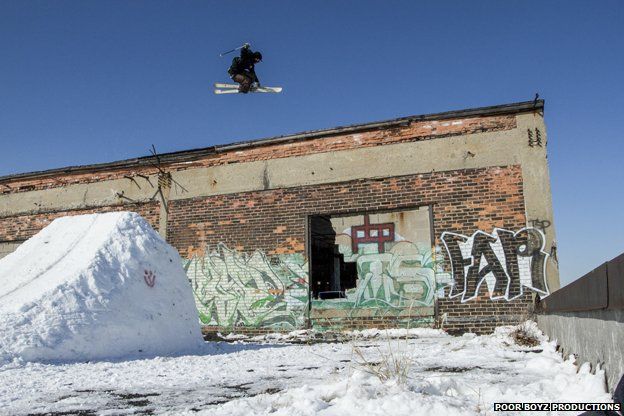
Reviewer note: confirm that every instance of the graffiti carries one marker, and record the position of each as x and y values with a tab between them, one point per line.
401	277
235	289
371	233
506	261
541	224
376	271
150	278
375	276
537	140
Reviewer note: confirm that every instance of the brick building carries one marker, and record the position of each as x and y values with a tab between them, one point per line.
437	220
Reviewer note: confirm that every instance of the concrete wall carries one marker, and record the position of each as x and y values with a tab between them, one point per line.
586	318
6	248
594	336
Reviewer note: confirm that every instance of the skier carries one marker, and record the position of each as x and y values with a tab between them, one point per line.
242	69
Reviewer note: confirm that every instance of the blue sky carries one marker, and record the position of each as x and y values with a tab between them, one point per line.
85	82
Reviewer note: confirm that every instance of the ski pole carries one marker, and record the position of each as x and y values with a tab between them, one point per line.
233	50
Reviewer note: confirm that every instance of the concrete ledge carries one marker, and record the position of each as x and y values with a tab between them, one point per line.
594	336
588	293
342	324
489	149
370	313
615	282
192	154
601	288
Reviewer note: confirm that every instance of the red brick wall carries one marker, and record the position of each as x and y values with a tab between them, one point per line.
22	227
414	131
274	221
482	315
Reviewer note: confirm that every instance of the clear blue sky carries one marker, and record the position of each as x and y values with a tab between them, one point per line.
85	82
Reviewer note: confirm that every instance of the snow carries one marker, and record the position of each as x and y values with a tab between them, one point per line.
445	375
310	335
94	287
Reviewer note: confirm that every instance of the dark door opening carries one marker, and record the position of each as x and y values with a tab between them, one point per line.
330	275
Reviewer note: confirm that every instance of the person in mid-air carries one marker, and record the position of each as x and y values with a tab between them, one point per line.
242	69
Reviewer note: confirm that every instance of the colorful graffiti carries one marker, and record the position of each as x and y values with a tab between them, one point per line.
506	261
371	233
236	289
401	276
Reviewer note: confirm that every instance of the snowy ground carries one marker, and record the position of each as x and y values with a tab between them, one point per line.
446	375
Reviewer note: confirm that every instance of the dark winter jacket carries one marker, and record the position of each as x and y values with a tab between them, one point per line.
244	64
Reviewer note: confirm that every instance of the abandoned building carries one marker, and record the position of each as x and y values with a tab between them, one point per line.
440	220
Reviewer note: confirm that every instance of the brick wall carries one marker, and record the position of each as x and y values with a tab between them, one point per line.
274	221
483	314
22	227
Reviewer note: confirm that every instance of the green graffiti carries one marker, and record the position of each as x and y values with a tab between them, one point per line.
402	277
235	289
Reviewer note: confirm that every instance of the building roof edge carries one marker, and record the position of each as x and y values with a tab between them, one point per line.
193	154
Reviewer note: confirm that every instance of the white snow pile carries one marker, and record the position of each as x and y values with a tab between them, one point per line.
93	287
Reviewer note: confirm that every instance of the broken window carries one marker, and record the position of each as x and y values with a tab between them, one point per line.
331	275
372	259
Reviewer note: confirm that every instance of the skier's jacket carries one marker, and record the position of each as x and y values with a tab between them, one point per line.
244	64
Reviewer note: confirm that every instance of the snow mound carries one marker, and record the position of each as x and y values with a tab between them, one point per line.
93	287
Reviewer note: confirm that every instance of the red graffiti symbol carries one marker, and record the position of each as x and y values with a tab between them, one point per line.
371	233
150	278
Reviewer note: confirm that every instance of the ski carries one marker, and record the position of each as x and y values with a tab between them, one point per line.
234	90
221	85
228	91
267	89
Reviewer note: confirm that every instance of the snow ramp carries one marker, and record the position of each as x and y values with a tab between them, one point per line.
93	287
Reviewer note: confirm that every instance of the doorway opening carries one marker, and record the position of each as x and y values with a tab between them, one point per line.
330	275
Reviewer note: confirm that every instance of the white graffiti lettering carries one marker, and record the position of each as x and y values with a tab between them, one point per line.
506	261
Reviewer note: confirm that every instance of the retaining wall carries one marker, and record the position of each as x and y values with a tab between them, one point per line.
586	318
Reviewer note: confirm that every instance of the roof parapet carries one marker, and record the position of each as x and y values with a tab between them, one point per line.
193	154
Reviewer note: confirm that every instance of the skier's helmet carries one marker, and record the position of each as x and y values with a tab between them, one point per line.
257	56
